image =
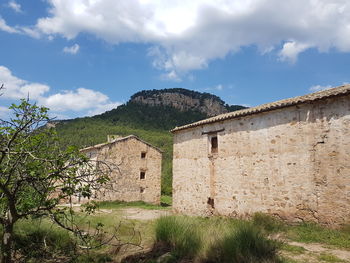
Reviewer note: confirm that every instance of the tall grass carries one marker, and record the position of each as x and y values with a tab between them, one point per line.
41	239
244	244
267	223
179	234
215	240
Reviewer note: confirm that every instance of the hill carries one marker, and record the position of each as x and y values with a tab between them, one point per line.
148	114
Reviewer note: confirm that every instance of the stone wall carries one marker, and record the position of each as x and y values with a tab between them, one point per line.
124	157
293	162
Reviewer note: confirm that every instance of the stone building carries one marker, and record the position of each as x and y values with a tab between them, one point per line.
136	169
289	158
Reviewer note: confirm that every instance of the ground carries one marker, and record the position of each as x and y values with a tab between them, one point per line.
293	251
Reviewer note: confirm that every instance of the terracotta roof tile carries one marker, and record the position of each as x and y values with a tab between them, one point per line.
339	91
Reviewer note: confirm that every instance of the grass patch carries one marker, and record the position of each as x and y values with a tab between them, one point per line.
215	240
329	258
179	234
296	250
122	204
166	200
165	203
268	223
244	244
41	239
313	233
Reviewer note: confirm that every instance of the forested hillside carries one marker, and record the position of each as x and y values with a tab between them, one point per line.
151	123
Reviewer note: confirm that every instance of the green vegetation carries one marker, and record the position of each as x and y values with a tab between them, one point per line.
329	258
166	200
268	223
215	240
293	249
244	244
140	204
39	240
313	233
179	235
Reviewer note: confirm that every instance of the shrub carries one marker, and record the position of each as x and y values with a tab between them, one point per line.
179	235
244	244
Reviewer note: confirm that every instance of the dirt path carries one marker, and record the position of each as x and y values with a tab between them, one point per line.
144	214
319	248
313	252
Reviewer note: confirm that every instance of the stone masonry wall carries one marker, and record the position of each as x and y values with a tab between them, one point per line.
124	157
293	162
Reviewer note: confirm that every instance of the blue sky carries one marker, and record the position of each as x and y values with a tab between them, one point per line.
83	57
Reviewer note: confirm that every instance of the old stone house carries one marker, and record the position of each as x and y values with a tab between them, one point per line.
135	169
289	158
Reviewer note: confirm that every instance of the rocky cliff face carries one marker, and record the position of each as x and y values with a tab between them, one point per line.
182	100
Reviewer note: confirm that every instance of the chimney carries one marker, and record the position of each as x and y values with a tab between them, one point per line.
111	138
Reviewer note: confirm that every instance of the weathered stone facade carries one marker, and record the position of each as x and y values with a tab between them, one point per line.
289	158
136	170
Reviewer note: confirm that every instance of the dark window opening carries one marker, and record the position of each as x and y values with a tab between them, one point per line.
211	202
142	190
143	155
142	175
214	144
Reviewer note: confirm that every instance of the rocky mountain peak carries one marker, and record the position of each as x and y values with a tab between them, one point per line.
182	99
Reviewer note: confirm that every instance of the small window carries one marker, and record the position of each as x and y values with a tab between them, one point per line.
142	190
214	144
143	155
142	175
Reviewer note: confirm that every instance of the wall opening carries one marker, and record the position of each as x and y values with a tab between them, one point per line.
210	202
214	144
143	155
142	190
142	175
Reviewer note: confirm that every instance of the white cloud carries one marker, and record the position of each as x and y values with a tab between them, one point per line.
72	49
103	108
218	87
82	100
16	88
320	87
187	35
15	6
7	28
77	100
291	50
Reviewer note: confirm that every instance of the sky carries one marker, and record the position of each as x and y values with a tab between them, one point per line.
84	57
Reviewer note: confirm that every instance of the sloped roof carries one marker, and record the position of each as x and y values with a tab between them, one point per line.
98	146
339	91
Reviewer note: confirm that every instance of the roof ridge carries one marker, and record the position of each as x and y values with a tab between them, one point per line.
338	91
118	140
